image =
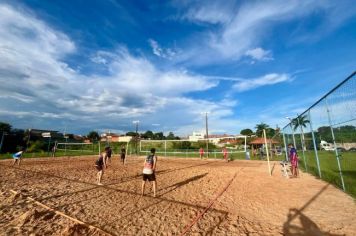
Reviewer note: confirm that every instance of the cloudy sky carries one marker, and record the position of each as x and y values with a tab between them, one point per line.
98	65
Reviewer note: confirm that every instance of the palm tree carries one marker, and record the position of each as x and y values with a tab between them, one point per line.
300	121
259	129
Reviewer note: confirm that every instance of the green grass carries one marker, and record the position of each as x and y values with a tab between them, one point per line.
329	168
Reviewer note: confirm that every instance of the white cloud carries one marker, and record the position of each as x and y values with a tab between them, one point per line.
161	52
269	79
259	54
245	25
208	13
39	88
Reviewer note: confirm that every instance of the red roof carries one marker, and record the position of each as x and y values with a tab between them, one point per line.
262	141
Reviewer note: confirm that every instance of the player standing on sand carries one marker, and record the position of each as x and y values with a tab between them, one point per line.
149	168
100	165
109	153
123	154
17	157
201	153
293	157
225	153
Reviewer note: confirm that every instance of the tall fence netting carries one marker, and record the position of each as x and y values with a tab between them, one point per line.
325	136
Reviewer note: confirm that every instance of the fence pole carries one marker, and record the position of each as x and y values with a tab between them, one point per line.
301	141
291	127
314	144
285	147
335	147
165	148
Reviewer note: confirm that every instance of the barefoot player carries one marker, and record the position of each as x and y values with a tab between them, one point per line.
100	165
17	157
149	171
123	154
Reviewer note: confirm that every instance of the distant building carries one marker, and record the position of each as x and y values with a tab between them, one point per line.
196	136
215	138
40	133
114	138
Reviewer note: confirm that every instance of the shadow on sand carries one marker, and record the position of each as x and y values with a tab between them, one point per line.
299	224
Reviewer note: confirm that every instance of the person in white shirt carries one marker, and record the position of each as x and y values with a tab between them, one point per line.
149	168
17	157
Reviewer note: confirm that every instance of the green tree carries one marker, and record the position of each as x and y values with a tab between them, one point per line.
324	134
247	132
182	145
170	136
148	135
93	135
37	146
5	127
132	134
159	136
270	132
259	129
300	121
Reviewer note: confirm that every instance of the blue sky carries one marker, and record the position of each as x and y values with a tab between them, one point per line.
99	65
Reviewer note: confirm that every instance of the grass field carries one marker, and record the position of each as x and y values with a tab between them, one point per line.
329	168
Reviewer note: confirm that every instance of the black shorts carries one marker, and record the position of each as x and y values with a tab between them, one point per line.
122	156
151	177
99	168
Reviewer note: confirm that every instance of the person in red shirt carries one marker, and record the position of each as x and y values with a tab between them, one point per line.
225	153
201	153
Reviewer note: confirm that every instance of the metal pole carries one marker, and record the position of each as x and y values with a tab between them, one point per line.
335	147
245	143
165	148
285	147
293	134
140	146
207	134
266	147
136	137
314	144
2	139
49	143
301	141
28	140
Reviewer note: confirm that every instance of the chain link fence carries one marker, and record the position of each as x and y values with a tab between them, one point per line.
325	136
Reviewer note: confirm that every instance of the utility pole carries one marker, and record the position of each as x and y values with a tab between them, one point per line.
2	139
136	138
207	134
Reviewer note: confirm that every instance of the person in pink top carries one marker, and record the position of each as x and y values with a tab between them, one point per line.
225	153
293	157
201	153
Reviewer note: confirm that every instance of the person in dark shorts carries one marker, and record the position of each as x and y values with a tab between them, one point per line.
149	168
123	154
100	165
109	153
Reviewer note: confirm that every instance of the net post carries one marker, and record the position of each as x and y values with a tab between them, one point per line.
285	146
269	166
165	148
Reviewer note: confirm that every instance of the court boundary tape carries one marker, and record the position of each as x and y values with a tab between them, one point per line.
62	214
201	214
